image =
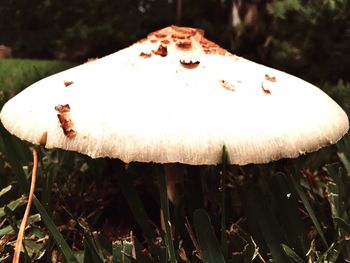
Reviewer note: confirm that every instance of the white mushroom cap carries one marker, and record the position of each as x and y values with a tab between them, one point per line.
176	97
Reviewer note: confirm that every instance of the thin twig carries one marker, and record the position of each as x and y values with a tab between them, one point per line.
193	238
261	258
18	246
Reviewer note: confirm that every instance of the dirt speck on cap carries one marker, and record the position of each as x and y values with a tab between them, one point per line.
227	85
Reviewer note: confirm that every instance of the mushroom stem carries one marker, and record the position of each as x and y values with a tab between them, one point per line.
174	176
174	179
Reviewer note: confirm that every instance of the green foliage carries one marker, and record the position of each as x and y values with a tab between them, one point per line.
311	39
165	214
340	92
10	207
209	246
16	74
122	251
280	9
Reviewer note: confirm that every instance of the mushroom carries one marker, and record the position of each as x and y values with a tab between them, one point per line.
176	97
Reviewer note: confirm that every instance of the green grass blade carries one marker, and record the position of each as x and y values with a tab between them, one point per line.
136	206
13	205
164	203
117	256
9	229
262	220
292	255
138	252
52	228
6	230
309	209
224	160
342	224
127	252
332	253
5	190
16	74
54	233
94	250
287	211
122	251
337	190
90	254
48	180
208	243
243	247
345	161
13	154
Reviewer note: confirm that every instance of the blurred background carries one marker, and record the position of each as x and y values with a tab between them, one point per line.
87	211
306	38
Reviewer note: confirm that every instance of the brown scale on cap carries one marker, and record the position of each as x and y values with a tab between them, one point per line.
160	35
68	83
165	42
184	39
265	90
62	108
91	60
179	36
65	120
269	78
189	64
187	31
161	51
184	45
145	55
210	47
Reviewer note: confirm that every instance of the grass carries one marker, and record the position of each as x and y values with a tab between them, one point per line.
105	211
15	74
